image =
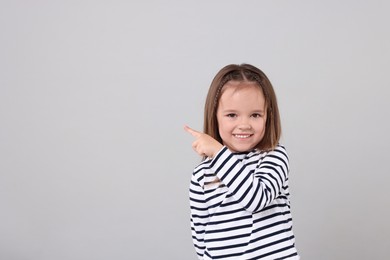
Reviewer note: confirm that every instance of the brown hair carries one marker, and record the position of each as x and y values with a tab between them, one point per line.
247	73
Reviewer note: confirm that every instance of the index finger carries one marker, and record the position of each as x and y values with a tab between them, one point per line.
193	132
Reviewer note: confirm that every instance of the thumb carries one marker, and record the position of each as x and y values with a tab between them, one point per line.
193	132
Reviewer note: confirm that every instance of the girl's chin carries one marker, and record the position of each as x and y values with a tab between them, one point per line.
240	149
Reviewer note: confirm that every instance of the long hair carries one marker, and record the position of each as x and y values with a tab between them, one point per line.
243	73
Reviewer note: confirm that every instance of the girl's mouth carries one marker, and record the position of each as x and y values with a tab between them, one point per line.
242	136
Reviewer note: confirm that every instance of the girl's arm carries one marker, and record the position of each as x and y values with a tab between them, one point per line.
199	216
254	190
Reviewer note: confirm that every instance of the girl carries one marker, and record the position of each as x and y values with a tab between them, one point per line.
239	194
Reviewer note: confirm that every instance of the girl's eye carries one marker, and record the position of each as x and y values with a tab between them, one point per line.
231	115
256	115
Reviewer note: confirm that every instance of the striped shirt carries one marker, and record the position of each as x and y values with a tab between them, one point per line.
240	206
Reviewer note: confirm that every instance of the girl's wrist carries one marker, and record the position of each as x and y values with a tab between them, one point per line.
218	148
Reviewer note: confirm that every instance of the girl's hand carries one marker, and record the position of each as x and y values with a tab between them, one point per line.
204	144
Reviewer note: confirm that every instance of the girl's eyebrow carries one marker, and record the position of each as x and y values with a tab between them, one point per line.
235	110
259	110
229	111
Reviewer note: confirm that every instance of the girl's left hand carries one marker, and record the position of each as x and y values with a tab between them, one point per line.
204	144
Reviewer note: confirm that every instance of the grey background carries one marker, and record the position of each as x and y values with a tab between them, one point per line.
94	94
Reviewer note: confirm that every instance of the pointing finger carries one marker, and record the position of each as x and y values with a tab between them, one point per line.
193	132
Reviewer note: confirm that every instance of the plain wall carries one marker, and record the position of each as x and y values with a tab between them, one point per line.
94	95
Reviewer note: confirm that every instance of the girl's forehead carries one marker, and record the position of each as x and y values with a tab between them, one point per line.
242	96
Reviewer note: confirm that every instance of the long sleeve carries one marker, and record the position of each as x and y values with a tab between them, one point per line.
240	206
199	216
253	189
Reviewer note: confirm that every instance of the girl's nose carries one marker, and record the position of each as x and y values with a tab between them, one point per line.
244	125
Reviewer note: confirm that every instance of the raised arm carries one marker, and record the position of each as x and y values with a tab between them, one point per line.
254	190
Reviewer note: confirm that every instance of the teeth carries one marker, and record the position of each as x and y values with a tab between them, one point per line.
242	136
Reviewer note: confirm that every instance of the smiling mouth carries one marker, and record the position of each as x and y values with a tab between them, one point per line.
242	136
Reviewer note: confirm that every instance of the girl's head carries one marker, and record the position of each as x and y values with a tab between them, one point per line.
241	110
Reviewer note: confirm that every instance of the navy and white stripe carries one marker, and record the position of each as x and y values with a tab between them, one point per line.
240	206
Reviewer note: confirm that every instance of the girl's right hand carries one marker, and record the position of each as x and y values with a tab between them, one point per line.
204	144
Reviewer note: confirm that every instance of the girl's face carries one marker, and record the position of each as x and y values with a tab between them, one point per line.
241	115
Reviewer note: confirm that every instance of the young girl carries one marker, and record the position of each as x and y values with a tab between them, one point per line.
239	194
